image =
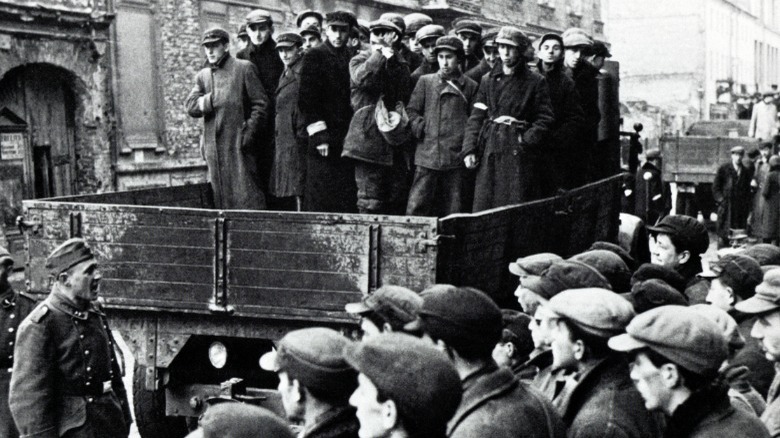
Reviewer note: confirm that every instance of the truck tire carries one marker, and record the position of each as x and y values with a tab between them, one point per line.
149	409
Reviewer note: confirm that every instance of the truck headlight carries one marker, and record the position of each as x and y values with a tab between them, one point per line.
218	355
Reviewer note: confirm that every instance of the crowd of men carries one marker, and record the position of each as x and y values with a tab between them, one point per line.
604	344
396	116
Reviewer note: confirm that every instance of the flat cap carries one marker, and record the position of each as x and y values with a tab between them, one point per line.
515	328
533	264
678	333
259	16
341	18
617	249
215	34
396	19
576	37
551	36
671	277
5	256
742	271
420	379
737	150
767	295
241	31
601	49
468	26
727	324
416	21
430	31
764	253
652	293
288	39
599	312
384	25
563	275
610	265
241	420
512	36
307	13
69	254
489	38
395	304
653	154
311	30
463	317
691	234
313	356
450	43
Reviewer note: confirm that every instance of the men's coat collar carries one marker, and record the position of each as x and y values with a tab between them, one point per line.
484	387
65	305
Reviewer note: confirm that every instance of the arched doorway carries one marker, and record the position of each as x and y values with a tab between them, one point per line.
43	95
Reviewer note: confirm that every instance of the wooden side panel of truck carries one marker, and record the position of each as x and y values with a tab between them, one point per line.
695	159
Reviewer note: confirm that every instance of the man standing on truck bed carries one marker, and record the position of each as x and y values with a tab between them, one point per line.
731	190
66	379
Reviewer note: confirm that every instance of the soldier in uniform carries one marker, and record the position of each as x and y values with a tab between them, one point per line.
66	380
14	307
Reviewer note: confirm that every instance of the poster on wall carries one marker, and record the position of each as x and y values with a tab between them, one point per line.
11	146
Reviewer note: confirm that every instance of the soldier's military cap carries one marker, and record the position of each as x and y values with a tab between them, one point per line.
678	333
430	31
416	21
738	150
533	264
463	317
259	16
468	26
741	271
393	303
69	254
601	49
341	18
767	297
5	257
242	31
452	43
652	293
512	36
690	234
313	30
314	357
671	277
215	34
420	379
610	265
489	38
384	25
764	253
396	19
563	275
599	312
241	420
727	324
617	249
576	37
288	39
307	13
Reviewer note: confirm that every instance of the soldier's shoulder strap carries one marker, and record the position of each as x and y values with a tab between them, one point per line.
39	313
28	296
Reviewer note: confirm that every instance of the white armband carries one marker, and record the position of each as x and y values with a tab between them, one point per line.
480	106
316	127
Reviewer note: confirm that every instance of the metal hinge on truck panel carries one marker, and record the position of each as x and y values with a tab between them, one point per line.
423	243
374	234
74	218
219	299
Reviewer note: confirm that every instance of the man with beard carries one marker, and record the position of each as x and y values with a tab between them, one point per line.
324	102
426	38
569	117
489	58
509	123
66	378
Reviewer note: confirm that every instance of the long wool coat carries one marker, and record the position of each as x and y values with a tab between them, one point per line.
507	166
770	223
235	111
731	191
289	165
759	202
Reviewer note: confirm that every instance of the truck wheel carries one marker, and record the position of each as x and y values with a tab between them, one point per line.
149	409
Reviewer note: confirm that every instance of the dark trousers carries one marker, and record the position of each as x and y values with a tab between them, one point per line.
7	426
381	189
435	192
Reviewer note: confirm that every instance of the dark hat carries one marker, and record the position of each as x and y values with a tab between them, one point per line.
307	13
563	275
774	161
512	36
362	28
215	34
690	234
652	293
313	30
599	312
727	324
489	38
5	257
653	154
767	295
463	317
384	25
533	264
313	356
416	21
420	379
430	31
241	420
668	275
740	150
468	26
681	334
764	253
259	16
450	43
766	145
576	37
741	271
68	255
753	153
395	304
288	39
241	31
551	36
601	49
396	19
610	265
516	330
341	18
617	249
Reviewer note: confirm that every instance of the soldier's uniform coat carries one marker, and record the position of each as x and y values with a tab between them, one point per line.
66	379
14	307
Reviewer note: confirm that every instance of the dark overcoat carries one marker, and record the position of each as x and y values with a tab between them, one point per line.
324	103
14	307
586	82
235	111
66	377
770	193
731	190
508	155
476	73
496	404
425	68
759	208
771	415
289	165
339	422
652	198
